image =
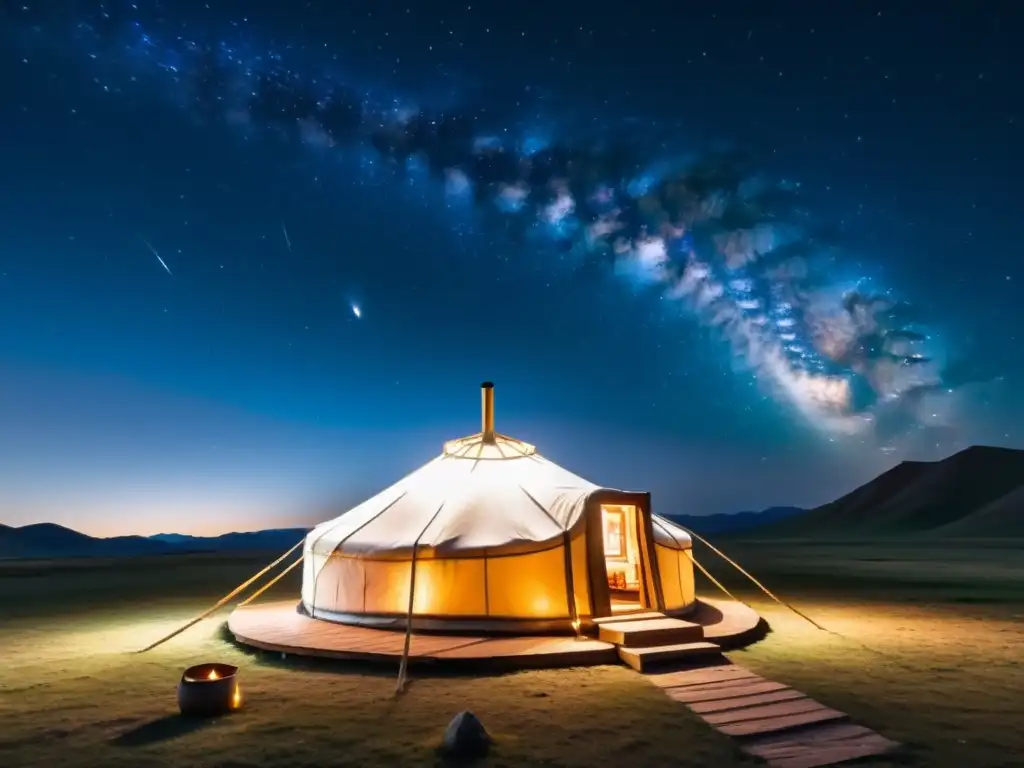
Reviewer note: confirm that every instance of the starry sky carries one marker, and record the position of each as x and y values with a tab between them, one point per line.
256	258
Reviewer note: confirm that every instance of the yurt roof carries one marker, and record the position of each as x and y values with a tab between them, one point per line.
669	534
486	494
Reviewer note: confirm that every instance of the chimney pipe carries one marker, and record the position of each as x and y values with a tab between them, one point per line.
487	411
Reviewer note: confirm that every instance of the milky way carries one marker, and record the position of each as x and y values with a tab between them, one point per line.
709	234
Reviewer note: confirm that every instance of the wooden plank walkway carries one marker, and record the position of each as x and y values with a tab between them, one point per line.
770	720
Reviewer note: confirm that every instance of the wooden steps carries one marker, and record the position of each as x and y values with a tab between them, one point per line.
638	616
645	633
645	640
770	720
645	659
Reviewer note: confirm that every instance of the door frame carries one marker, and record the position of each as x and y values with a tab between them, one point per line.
650	580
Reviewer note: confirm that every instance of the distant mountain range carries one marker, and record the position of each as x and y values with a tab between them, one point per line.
47	540
734	522
976	493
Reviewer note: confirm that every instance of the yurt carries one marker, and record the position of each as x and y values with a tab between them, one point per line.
492	537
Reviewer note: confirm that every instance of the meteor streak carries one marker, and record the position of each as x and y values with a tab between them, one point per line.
158	257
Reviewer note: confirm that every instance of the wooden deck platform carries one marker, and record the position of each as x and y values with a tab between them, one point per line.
771	721
728	624
280	628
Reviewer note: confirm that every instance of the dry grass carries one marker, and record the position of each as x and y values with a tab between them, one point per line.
944	681
942	678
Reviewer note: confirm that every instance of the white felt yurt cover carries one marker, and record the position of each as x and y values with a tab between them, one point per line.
494	529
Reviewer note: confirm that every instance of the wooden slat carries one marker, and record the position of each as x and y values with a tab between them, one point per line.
699	675
690	696
833	732
640	616
724	685
784	723
763	712
824	745
750	700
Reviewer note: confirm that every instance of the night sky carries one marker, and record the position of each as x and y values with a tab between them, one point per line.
256	258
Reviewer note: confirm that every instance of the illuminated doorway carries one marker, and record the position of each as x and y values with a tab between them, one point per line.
622	556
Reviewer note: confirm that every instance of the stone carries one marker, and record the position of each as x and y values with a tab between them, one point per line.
465	737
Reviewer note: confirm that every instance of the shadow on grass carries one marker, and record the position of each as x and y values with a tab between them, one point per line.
445	760
161	729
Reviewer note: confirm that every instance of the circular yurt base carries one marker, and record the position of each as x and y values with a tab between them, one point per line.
280	628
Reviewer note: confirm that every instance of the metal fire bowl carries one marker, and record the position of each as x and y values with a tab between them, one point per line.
208	690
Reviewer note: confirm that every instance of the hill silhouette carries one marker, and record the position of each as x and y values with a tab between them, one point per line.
978	492
52	540
49	540
1003	517
734	523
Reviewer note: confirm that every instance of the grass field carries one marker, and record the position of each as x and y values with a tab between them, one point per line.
942	671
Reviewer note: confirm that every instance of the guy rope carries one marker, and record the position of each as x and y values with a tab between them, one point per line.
756	583
778	600
227	598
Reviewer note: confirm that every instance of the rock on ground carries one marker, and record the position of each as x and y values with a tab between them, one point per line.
466	737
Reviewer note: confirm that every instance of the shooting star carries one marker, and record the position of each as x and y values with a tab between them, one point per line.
287	240
158	257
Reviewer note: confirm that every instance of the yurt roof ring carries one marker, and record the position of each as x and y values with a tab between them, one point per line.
487	444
